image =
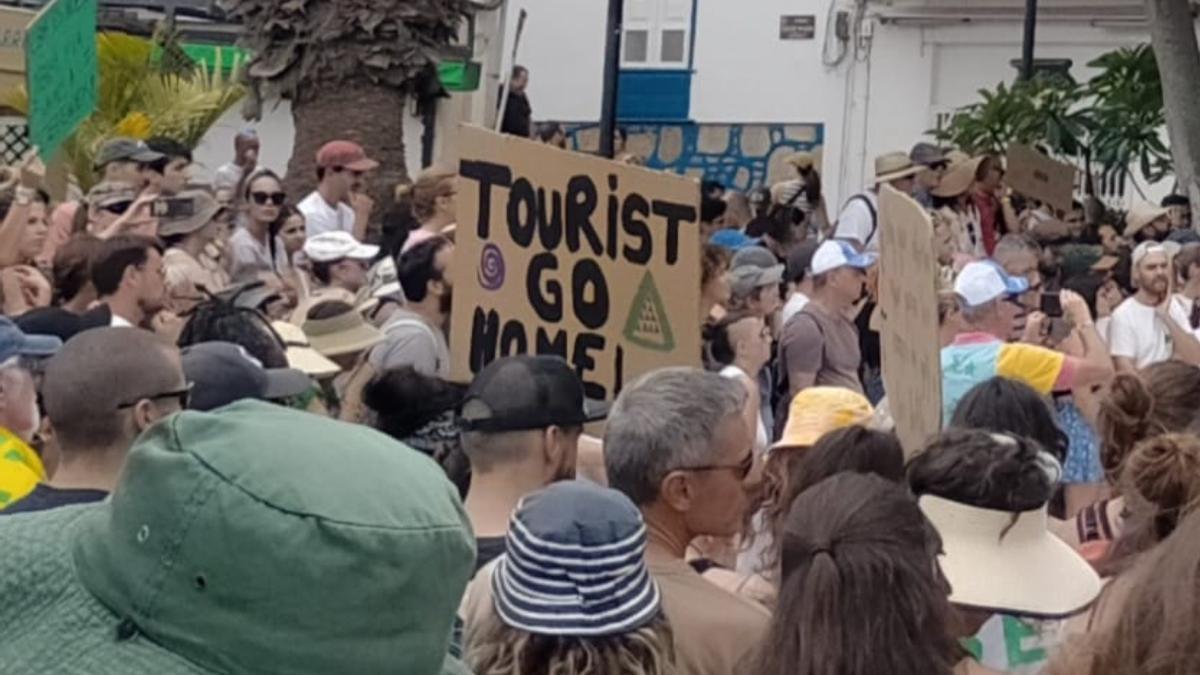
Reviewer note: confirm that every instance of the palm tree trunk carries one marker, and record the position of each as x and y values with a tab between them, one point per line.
355	110
1173	31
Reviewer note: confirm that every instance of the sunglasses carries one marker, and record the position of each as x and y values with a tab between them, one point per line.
340	169
183	396
740	470
118	208
276	198
938	166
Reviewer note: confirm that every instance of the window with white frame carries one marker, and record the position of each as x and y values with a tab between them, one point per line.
657	33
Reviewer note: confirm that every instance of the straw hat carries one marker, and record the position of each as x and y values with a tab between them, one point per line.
346	333
363	301
1140	216
956	156
996	564
817	411
894	166
301	355
958	179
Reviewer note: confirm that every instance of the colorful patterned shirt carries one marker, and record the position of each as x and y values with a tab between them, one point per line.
977	357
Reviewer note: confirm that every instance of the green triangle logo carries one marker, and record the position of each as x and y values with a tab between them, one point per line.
647	325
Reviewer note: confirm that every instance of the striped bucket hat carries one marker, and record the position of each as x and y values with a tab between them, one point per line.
574	564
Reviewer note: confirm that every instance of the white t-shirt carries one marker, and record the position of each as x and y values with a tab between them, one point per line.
320	217
1180	309
855	223
761	440
792	307
1137	333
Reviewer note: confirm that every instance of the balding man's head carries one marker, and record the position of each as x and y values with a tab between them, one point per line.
95	374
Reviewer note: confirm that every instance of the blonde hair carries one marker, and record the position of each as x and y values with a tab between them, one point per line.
494	648
433	182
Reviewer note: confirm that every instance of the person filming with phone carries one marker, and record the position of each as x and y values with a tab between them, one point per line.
989	301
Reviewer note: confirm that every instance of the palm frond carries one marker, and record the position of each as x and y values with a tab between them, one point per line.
139	98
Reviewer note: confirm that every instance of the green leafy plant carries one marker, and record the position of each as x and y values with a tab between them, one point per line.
143	95
1110	124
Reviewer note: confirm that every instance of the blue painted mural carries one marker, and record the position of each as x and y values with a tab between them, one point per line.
739	156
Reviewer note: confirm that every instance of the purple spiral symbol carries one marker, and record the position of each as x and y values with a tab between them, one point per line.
491	267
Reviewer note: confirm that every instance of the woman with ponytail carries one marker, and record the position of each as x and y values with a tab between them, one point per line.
738	347
861	592
1163	398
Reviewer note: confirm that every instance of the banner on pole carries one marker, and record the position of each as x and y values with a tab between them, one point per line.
574	255
61	71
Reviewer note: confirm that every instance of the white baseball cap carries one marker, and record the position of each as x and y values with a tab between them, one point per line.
835	253
331	246
982	281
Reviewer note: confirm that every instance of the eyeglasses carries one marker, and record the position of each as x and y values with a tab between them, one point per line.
741	469
184	396
276	198
118	208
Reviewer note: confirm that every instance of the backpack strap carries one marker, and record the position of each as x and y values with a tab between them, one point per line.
874	216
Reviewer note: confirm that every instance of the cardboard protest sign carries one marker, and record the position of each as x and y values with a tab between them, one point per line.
908	303
61	72
1039	177
13	23
574	255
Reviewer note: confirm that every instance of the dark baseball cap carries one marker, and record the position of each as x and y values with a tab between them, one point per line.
223	372
521	393
121	149
799	260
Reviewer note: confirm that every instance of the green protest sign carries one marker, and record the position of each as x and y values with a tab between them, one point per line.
61	72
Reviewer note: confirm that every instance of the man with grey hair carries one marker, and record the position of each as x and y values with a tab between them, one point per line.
521	421
677	443
21	466
989	300
103	389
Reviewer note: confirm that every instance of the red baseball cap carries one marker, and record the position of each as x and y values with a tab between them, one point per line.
345	154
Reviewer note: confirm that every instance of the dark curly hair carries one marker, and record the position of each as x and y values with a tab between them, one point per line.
218	320
986	470
1013	407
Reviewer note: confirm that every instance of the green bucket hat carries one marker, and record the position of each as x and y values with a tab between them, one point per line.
256	539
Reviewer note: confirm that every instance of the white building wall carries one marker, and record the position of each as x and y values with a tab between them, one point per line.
882	97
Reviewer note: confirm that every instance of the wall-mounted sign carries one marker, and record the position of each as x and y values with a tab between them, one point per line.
797	27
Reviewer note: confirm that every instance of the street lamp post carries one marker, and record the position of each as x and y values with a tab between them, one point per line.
1031	8
612	68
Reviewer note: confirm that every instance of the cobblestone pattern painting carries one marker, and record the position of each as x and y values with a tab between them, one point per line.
739	156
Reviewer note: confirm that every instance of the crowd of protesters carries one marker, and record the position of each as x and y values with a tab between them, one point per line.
229	440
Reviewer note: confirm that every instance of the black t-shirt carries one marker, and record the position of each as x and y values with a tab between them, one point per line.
44	498
518	116
487	549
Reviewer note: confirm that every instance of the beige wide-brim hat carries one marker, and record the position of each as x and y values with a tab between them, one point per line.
994	563
301	355
958	179
347	333
894	166
1140	216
